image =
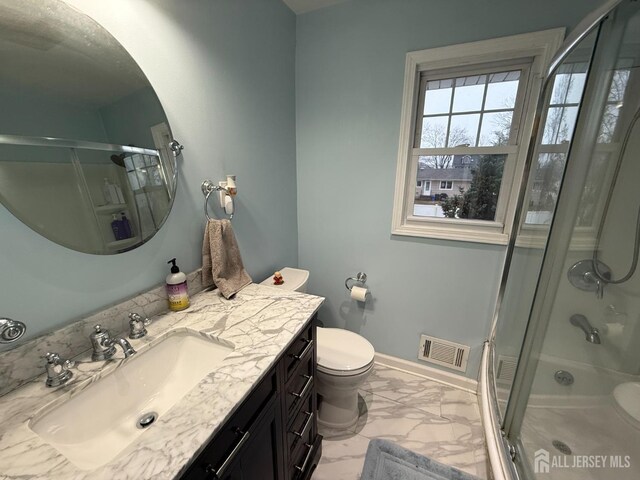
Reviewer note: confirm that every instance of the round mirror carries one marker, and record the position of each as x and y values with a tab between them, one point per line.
86	154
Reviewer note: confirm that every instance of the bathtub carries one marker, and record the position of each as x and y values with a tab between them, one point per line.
592	387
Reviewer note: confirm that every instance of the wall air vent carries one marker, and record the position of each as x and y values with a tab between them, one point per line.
442	352
506	369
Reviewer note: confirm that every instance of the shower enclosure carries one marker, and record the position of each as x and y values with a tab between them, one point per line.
561	372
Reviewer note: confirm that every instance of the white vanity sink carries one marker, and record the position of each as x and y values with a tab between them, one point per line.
95	425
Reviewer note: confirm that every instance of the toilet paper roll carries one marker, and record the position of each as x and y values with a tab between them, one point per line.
359	293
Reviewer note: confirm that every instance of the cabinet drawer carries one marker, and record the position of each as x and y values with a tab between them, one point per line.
298	387
306	460
302	427
298	352
232	436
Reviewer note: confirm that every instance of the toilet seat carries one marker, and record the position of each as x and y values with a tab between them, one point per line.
345	373
343	353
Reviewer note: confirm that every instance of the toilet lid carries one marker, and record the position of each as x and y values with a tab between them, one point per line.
341	352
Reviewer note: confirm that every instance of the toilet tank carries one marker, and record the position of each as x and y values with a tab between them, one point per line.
294	279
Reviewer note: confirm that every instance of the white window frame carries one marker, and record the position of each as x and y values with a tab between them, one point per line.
536	48
445	184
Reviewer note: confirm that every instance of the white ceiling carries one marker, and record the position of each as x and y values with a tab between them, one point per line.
303	6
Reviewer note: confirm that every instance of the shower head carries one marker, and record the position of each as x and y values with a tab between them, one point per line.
118	159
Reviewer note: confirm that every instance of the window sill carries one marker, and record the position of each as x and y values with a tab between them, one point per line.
458	235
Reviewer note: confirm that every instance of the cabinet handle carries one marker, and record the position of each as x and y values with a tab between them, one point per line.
217	474
307	458
305	351
306	387
307	424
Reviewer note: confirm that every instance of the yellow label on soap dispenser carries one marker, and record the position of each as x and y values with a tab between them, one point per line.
178	296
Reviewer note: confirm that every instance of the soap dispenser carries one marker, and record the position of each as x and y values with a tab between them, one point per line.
177	291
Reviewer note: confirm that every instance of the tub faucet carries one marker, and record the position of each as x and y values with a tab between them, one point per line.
104	347
592	334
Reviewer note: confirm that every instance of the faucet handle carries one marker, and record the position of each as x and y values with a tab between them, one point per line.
52	357
136	317
99	338
99	331
55	359
58	370
102	343
136	325
596	283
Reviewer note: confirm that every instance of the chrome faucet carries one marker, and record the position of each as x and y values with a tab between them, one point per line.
104	347
136	326
58	370
592	334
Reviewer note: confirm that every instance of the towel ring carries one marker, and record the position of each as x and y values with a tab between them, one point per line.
208	187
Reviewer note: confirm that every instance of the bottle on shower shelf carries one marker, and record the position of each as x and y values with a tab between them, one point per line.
109	193
126	226
116	227
118	194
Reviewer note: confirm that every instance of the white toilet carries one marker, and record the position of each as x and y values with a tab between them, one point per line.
345	360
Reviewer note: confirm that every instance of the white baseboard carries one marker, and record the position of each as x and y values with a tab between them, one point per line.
440	376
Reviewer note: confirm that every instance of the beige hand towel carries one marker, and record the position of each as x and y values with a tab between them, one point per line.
221	261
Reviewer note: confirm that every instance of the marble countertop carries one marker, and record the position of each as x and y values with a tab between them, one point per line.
260	322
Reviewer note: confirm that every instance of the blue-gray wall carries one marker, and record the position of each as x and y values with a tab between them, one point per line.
349	80
224	71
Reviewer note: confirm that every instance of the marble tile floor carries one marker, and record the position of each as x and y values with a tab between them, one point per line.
425	416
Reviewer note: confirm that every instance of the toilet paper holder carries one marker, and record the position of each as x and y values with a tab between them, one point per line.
360	278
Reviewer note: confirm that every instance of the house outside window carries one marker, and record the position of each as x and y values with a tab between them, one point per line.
467	118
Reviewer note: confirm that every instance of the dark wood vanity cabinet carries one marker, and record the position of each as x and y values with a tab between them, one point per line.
273	435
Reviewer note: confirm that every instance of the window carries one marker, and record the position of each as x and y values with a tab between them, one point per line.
559	123
466	121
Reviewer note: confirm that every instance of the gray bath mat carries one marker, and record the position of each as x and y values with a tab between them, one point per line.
387	461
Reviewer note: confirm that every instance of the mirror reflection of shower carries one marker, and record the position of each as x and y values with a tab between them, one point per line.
147	185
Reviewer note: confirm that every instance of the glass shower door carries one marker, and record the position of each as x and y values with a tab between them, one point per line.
563	97
574	409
